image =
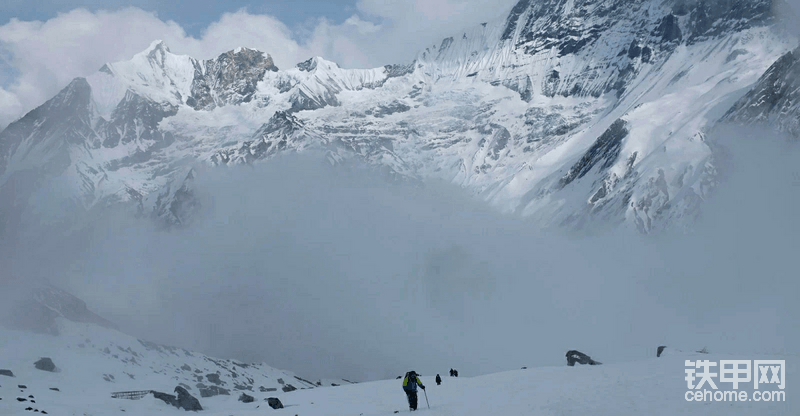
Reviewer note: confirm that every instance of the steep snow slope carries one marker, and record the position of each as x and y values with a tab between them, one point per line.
775	99
570	112
92	362
651	387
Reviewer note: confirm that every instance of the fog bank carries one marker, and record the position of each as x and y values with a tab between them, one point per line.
334	273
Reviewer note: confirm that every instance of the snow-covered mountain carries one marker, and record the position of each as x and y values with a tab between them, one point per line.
93	359
649	387
569	112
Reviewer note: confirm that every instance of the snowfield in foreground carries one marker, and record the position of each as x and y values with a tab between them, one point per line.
651	387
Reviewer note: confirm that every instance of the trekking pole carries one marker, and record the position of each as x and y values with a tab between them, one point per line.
426	398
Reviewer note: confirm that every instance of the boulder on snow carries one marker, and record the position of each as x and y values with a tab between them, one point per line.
45	364
167	398
186	401
660	350
574	356
6	373
274	403
245	398
287	388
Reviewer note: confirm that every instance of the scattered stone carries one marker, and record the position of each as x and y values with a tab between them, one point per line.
22	399
246	398
29	408
31	396
54	389
274	403
287	388
22	386
280	381
524	368
6	373
186	368
45	364
660	350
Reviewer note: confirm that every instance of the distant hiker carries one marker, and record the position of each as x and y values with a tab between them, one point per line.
410	383
455	373
574	356
438	380
452	373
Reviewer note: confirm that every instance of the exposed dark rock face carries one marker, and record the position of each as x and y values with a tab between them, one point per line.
604	151
6	373
136	119
389	109
45	364
246	398
230	79
211	391
166	398
775	99
214	378
287	388
574	357
274	403
668	29
184	400
660	350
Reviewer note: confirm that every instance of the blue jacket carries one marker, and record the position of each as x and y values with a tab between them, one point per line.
410	383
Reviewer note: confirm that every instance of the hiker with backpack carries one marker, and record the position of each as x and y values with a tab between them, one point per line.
410	383
438	380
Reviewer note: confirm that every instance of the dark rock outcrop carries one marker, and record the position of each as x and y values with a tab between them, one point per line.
184	400
274	403
246	398
166	398
287	388
214	378
574	356
45	364
660	350
6	373
604	152
775	99
211	391
231	78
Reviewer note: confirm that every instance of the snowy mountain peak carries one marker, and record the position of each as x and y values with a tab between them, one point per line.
506	109
156	45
